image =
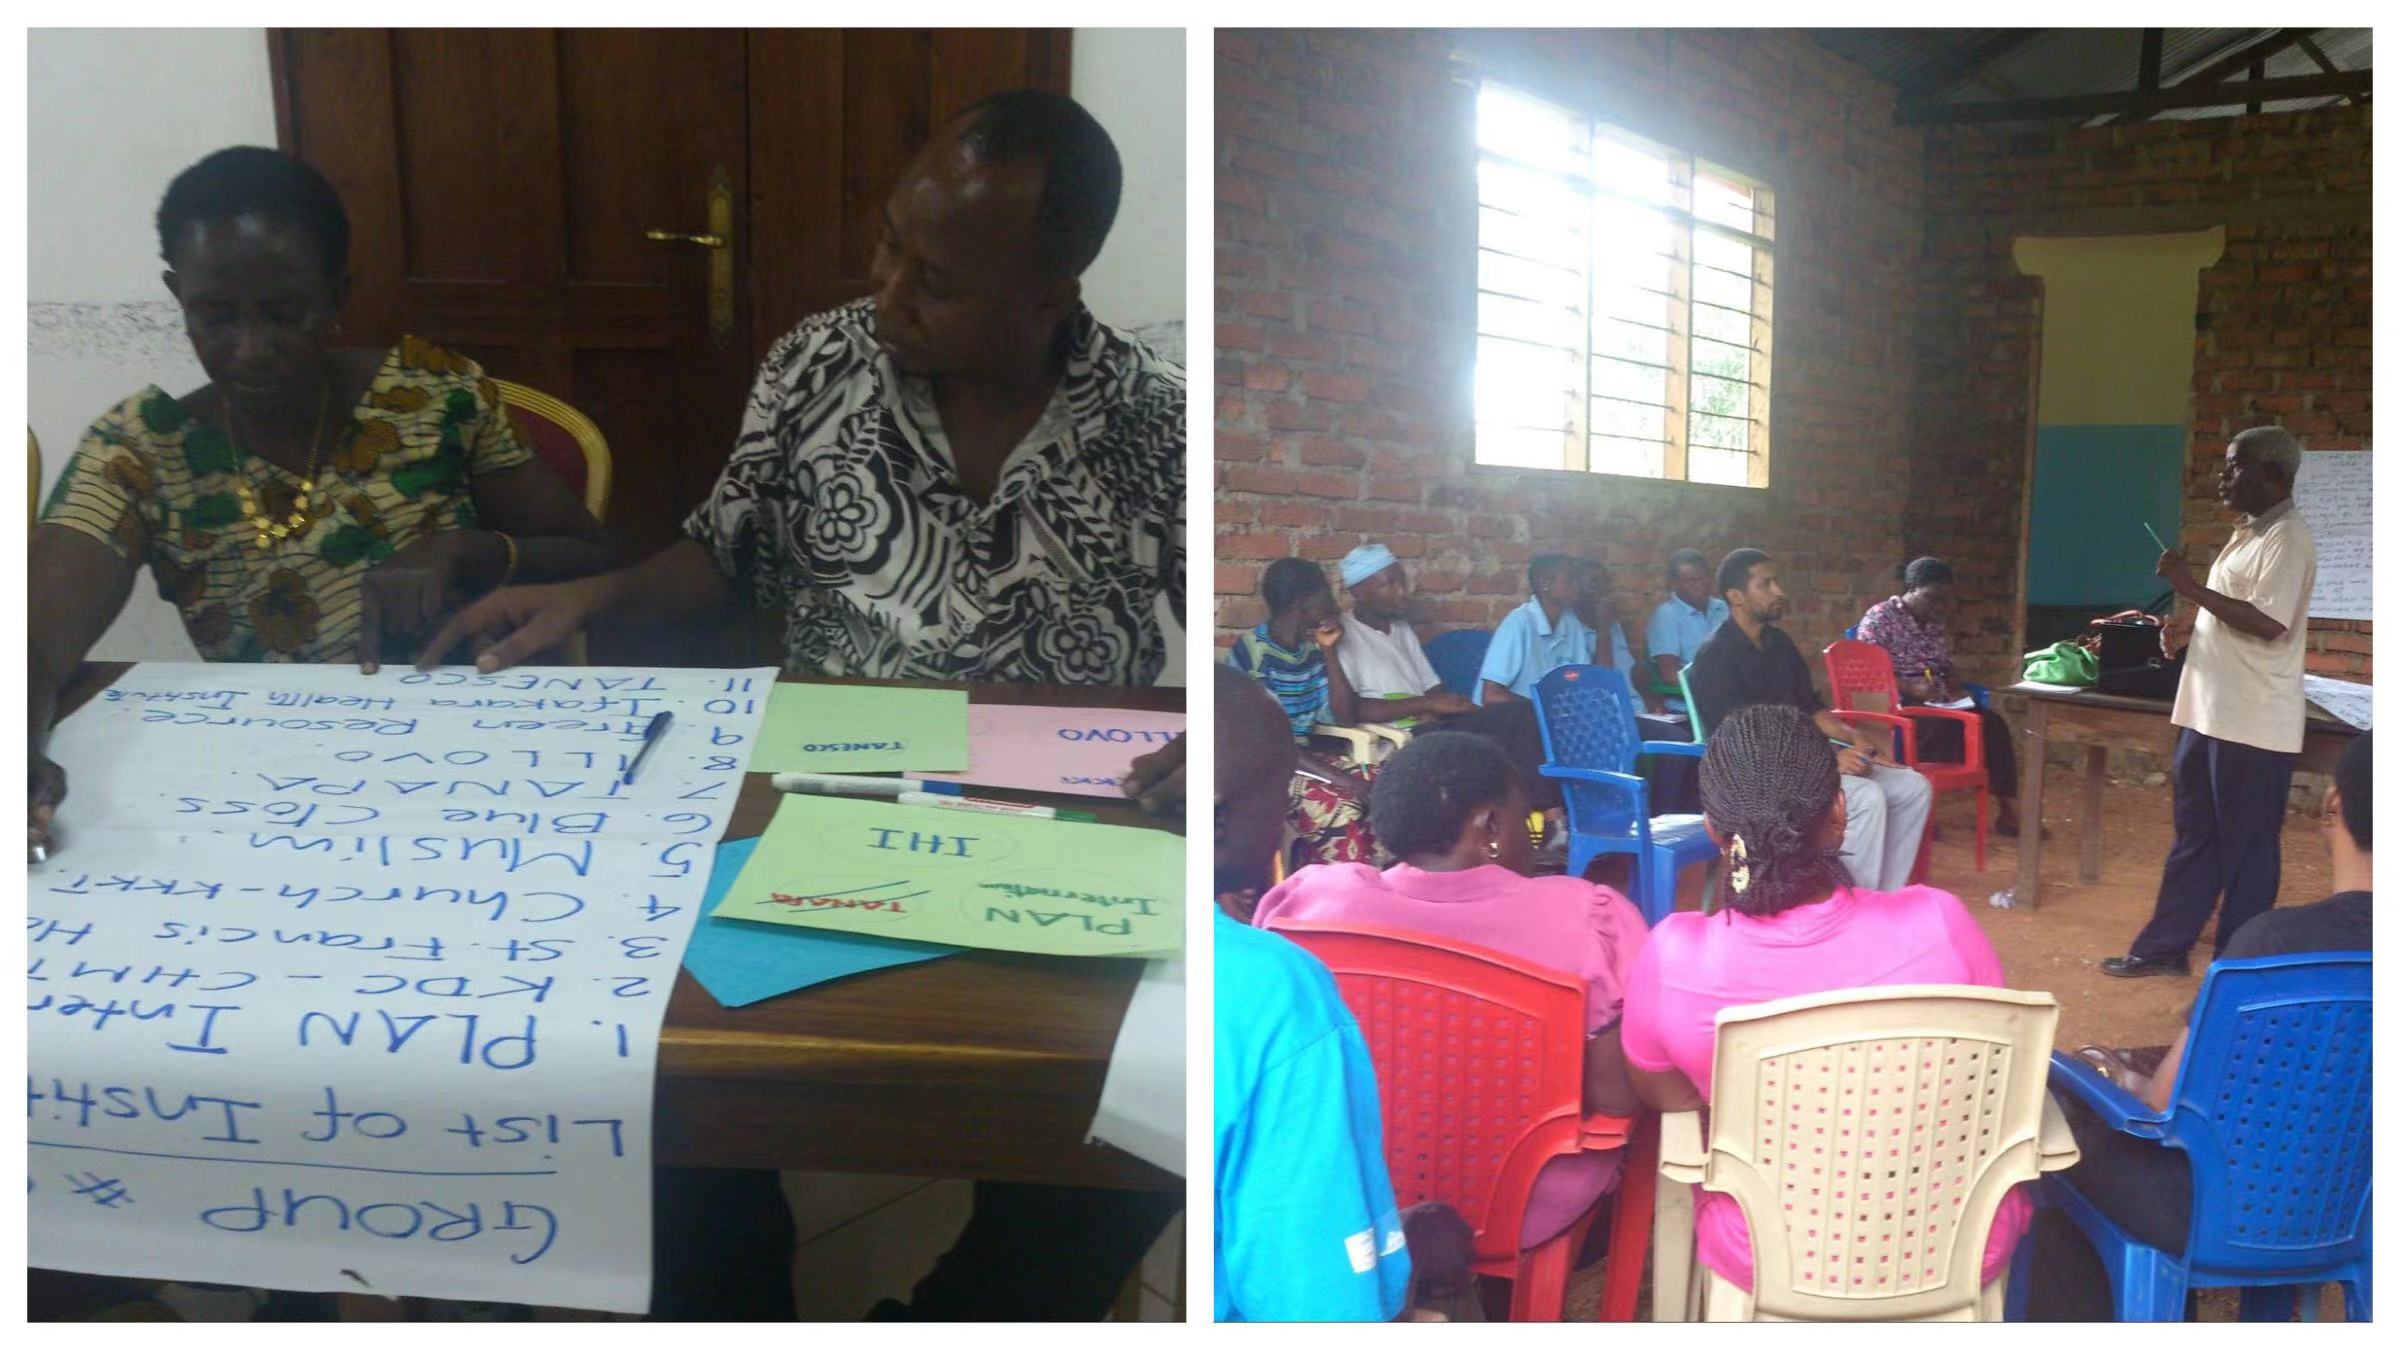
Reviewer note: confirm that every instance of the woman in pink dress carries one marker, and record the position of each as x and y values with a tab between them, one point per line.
1793	925
1452	809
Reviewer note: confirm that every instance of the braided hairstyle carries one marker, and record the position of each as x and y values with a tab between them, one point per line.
1767	782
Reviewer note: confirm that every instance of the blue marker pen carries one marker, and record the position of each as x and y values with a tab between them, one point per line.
650	735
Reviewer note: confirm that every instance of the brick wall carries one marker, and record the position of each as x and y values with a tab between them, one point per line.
1906	339
1346	316
2282	328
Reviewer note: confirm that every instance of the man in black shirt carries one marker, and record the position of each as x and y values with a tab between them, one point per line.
1752	660
2142	1186
2345	920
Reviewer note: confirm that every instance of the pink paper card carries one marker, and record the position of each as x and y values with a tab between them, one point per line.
1084	751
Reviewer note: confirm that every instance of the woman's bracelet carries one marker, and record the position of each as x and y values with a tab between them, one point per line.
509	571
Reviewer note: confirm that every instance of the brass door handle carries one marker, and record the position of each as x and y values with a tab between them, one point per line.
718	241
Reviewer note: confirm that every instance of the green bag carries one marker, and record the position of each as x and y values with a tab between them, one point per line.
2064	663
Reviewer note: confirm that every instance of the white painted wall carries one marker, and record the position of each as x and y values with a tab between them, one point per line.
113	114
1132	80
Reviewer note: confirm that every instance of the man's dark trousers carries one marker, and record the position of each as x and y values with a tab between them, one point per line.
2229	805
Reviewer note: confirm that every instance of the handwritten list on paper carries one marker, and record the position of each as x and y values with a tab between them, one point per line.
2335	494
2348	700
354	983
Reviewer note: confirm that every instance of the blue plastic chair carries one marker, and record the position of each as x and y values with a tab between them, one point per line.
2273	1107
1457	657
1591	742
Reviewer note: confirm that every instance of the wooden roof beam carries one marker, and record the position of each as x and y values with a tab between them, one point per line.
1965	64
2234	63
2138	104
2324	63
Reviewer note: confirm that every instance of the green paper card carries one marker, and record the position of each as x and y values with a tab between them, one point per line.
845	728
964	878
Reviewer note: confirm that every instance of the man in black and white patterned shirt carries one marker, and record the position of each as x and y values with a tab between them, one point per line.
963	477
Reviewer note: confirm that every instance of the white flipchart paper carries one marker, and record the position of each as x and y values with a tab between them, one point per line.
2335	494
354	983
1141	1100
2348	700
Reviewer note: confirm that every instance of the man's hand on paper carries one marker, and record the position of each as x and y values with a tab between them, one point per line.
45	788
515	623
1156	782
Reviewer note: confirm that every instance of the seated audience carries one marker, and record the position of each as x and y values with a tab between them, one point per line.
1596	605
1452	809
1794	923
1305	1225
1751	660
1914	627
2144	1187
1688	617
1380	653
1538	636
1287	655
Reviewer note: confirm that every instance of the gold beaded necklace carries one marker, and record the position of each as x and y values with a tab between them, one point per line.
272	532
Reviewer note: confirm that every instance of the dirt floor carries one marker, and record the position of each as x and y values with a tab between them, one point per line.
2059	946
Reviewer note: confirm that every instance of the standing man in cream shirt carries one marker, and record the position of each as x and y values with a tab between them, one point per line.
2240	707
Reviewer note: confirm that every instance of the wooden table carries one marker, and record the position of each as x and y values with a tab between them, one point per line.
2100	723
983	1065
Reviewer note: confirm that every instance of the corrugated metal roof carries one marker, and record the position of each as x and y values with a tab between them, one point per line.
2066	61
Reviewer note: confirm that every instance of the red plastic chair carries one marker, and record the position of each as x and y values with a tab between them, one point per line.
1857	670
1479	1065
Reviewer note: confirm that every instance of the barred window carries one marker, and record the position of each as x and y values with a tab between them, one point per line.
1625	301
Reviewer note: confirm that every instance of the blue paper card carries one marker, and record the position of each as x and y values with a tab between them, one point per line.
741	963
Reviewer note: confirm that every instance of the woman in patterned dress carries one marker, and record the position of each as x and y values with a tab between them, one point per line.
311	502
1914	627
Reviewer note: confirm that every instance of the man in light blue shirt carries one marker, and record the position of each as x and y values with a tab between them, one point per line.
1596	605
1538	636
1686	619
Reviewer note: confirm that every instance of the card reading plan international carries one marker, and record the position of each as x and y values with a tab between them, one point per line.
1011	883
845	728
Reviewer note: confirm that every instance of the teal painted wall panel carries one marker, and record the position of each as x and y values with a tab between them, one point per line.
2092	489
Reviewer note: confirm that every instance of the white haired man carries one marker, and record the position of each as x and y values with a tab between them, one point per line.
2240	707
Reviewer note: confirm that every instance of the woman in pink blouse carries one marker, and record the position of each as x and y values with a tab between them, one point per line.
1793	925
1451	807
1914	626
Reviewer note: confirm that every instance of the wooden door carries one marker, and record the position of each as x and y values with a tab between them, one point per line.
501	185
834	116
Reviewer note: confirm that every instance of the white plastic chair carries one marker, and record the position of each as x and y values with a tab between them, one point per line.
1369	742
1869	1136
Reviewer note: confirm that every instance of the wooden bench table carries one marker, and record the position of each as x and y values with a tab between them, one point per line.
2100	723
